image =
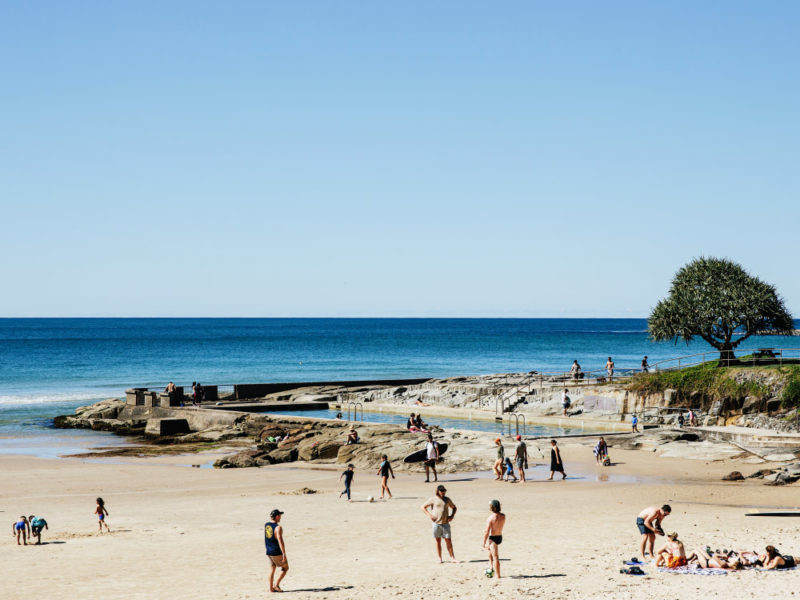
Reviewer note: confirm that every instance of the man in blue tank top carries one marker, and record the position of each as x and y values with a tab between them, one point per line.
276	550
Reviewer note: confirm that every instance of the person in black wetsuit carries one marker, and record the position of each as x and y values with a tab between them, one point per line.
276	549
556	464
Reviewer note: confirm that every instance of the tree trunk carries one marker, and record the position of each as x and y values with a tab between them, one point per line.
726	356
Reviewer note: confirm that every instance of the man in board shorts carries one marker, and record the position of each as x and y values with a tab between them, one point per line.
276	550
521	457
441	516
432	457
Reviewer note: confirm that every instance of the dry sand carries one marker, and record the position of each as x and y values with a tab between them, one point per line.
180	532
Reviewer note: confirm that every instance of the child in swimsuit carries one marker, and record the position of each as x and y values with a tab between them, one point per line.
21	527
510	470
101	513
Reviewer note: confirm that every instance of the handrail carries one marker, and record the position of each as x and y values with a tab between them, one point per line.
355	406
517	416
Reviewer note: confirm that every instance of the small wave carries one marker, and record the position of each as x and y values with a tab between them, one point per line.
39	399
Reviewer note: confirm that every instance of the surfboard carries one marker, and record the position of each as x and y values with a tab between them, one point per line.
773	514
422	455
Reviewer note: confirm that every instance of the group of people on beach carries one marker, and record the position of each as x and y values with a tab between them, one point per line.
30	527
504	468
672	554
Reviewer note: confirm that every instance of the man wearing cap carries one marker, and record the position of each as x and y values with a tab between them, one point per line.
276	550
521	457
441	516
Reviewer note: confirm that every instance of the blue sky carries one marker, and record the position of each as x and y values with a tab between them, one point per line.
391	159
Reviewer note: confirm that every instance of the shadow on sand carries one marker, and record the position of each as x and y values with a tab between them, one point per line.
330	588
546	575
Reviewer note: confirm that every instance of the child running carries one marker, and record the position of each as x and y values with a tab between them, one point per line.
384	471
101	513
348	479
510	471
21	527
493	537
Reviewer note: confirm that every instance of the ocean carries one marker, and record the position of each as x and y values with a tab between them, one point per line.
50	366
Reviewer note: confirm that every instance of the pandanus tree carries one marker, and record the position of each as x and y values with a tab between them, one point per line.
717	300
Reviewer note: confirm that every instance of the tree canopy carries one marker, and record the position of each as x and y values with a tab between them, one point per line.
717	300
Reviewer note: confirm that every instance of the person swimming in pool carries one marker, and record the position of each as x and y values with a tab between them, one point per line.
21	527
493	536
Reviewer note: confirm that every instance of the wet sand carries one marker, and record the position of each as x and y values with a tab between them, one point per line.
181	532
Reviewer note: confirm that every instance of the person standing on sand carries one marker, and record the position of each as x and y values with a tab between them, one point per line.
37	524
498	463
384	471
432	454
441	516
102	513
610	368
521	457
493	537
565	401
556	464
348	479
21	526
649	524
635	423
276	549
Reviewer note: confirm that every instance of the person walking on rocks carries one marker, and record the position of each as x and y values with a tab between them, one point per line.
498	463
565	401
432	455
493	537
610	368
556	463
384	471
635	423
521	457
276	549
441	516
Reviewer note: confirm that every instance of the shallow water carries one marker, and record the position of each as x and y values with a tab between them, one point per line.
446	423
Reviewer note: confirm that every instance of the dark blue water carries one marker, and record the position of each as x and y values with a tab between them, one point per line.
49	366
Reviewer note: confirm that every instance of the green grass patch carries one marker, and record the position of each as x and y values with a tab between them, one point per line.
709	380
790	397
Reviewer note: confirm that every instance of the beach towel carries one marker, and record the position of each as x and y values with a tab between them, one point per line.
693	570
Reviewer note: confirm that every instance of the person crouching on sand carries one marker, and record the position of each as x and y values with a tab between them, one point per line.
672	554
276	549
649	524
493	537
384	471
37	524
21	526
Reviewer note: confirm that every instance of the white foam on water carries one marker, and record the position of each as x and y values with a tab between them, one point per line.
33	399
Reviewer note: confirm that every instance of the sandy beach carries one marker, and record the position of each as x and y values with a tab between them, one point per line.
182	532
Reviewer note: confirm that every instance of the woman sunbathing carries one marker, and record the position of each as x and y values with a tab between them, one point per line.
716	560
672	554
775	560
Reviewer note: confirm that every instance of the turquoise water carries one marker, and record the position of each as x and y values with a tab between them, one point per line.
50	366
446	423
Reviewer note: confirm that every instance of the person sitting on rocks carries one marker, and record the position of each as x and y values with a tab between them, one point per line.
410	424
419	423
352	436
